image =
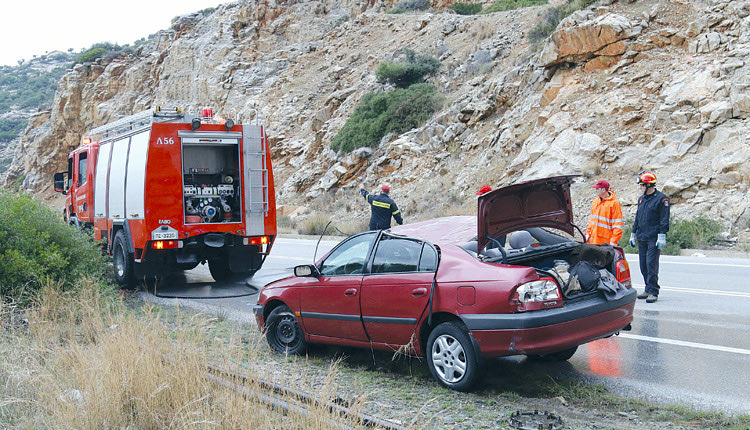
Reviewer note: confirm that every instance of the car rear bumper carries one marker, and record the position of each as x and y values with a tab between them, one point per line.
550	330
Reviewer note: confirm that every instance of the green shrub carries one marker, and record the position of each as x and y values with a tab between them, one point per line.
683	234
11	129
96	51
504	5
412	70
396	11
466	8
552	17
39	247
378	114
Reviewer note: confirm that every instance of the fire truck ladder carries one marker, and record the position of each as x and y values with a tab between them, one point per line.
140	119
259	178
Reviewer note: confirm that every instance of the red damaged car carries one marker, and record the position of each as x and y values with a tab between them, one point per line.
460	289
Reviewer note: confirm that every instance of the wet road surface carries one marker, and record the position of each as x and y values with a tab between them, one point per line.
690	347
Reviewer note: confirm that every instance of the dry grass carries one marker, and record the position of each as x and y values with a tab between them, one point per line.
87	361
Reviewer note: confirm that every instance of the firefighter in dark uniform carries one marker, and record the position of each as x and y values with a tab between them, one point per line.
650	231
383	208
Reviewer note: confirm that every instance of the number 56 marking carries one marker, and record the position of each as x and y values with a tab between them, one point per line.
165	141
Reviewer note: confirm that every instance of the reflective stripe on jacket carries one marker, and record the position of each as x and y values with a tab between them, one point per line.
605	221
383	208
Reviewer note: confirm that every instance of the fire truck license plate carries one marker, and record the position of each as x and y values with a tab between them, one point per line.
158	235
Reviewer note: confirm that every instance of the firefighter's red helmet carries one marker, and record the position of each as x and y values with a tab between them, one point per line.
647	178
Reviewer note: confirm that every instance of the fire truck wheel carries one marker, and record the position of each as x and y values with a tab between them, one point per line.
220	270
123	262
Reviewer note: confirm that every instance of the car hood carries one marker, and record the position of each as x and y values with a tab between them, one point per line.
538	203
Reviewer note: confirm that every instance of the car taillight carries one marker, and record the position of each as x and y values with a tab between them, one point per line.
166	244
535	295
623	272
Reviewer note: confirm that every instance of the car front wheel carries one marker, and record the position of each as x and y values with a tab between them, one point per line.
451	357
284	333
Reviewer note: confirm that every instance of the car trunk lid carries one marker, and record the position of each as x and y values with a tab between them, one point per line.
538	203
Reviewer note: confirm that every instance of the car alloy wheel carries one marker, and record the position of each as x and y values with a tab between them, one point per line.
284	333
449	358
452	360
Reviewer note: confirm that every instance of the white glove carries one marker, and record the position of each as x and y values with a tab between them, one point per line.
632	240
661	241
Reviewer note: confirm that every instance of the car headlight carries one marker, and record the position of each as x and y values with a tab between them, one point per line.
542	290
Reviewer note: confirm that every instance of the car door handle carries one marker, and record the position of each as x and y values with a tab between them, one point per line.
418	292
350	292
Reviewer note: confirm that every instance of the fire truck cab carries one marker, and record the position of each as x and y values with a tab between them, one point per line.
164	193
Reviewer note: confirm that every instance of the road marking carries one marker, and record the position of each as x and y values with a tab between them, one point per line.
690	263
700	291
688	344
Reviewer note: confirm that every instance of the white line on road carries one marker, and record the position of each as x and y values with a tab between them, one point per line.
701	291
688	344
691	263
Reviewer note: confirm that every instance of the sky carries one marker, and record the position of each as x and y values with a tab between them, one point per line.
33	27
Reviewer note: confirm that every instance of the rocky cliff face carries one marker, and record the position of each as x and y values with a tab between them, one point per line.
618	88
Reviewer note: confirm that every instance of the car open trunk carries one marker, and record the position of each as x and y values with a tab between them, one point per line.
552	255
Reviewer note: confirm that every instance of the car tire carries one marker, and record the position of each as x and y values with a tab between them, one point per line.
123	261
563	355
284	333
451	357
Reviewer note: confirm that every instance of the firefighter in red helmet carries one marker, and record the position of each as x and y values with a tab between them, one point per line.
383	208
650	232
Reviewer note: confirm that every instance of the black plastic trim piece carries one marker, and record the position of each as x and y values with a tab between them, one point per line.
546	317
258	310
336	317
390	320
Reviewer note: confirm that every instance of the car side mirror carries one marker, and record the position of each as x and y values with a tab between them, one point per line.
60	182
306	270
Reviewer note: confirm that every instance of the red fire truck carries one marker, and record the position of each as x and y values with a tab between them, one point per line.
166	192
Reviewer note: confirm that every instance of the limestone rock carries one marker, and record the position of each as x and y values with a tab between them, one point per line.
573	40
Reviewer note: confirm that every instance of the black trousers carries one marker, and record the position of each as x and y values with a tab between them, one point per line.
648	256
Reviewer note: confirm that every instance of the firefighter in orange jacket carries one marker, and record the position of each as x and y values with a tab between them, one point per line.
605	221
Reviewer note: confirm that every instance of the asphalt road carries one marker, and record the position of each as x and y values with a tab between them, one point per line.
691	347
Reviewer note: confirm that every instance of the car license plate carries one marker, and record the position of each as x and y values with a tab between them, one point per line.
165	235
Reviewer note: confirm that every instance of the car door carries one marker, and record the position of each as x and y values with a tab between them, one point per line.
396	291
330	306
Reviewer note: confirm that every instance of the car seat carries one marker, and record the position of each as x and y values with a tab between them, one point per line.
520	239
